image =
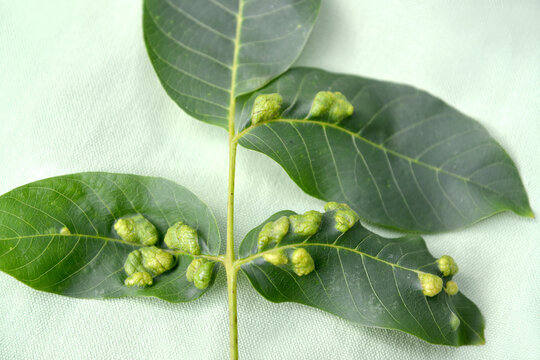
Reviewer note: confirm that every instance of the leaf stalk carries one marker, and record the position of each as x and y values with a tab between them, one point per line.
231	270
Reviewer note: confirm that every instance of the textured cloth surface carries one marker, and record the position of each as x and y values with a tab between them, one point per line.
78	93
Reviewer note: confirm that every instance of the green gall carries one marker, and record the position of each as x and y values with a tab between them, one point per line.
454	322
266	107
451	288
133	263
136	229
193	267
273	232
183	237
302	261
139	279
431	284
65	231
148	260
447	265
331	206
156	261
344	217
202	276
333	106
307	224
276	257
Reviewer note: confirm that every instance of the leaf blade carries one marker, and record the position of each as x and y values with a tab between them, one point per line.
365	278
403	160
89	262
206	53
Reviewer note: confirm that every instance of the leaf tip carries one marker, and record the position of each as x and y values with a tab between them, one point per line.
481	340
526	212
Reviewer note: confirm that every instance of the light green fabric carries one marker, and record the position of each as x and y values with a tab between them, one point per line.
78	93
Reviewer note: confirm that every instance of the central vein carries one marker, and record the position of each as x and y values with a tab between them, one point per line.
245	260
232	272
371	143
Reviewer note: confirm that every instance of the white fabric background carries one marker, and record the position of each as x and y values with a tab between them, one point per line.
77	93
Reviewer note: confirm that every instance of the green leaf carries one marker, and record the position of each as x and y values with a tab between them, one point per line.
404	160
207	52
88	263
367	279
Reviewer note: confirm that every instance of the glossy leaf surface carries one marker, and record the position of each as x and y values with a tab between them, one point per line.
368	279
404	159
207	52
88	263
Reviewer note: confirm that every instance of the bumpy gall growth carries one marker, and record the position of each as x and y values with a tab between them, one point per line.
331	106
302	262
202	276
273	232
451	287
431	284
136	229
276	257
65	231
331	206
139	279
183	237
148	259
266	107
454	322
156	261
193	267
345	217
306	224
447	265
133	263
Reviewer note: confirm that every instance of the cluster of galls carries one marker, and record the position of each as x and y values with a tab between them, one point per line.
304	225
327	106
433	284
143	264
